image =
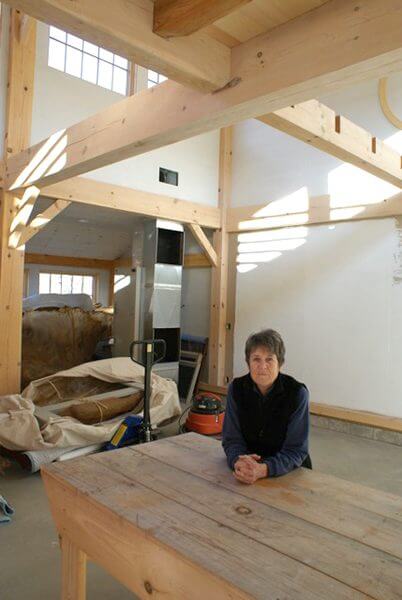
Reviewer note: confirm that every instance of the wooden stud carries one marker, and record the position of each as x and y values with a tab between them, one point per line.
306	65
18	131
175	18
126	29
218	313
111	286
204	243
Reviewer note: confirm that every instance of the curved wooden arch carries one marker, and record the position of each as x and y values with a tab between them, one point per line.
386	109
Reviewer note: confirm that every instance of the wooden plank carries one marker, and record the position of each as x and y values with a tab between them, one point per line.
41	220
369	517
231	563
97	193
192	261
245	218
126	29
356	416
73	571
68	261
21	66
175	18
342	560
218	332
363	44
205	244
123	541
320	127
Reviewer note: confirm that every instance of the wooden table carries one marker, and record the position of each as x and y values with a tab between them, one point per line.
170	522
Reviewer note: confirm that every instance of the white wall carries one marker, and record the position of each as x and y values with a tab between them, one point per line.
337	302
101	274
337	298
61	100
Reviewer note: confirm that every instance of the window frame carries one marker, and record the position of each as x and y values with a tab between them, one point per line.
112	62
95	285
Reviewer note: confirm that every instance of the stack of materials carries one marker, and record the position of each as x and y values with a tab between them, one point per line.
57	336
60	413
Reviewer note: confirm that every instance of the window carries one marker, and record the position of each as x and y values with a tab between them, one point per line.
154	78
72	55
67	283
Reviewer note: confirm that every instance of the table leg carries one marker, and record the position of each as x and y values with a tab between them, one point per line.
74	570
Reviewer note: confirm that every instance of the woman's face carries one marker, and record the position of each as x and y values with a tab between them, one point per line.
264	367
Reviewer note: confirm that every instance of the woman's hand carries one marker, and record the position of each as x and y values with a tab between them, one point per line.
247	469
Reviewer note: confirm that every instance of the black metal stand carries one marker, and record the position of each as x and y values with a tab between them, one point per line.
151	358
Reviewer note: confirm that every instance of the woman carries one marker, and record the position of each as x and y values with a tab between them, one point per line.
265	431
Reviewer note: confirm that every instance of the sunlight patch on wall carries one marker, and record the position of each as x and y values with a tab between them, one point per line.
297	202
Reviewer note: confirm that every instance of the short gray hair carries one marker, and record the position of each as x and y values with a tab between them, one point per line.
269	339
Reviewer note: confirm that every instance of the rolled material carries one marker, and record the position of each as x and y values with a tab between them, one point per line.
90	412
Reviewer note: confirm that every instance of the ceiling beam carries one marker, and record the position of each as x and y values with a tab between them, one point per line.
248	218
175	18
125	27
357	45
108	195
68	261
205	244
320	127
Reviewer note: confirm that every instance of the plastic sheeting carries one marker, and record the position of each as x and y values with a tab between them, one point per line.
21	430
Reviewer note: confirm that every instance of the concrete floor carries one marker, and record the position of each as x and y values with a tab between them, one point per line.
30	565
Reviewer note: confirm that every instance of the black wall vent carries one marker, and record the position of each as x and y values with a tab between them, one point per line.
167	176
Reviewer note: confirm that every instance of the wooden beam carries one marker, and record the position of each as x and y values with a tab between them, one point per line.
97	193
192	261
175	18
320	127
363	44
218	313
111	286
21	66
204	243
68	261
126	29
23	213
246	218
41	220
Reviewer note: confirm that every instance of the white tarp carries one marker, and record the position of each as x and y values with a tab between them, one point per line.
83	301
20	429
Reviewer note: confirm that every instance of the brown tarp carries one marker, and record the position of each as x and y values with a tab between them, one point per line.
56	339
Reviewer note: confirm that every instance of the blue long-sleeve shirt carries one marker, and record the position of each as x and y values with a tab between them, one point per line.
295	446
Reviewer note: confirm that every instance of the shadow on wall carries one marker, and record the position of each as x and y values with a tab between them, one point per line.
350	192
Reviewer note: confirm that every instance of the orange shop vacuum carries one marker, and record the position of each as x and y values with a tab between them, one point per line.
206	414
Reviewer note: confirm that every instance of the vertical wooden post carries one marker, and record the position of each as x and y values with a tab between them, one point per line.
218	314
74	564
111	286
21	66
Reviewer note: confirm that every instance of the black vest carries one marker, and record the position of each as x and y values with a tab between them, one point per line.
264	421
